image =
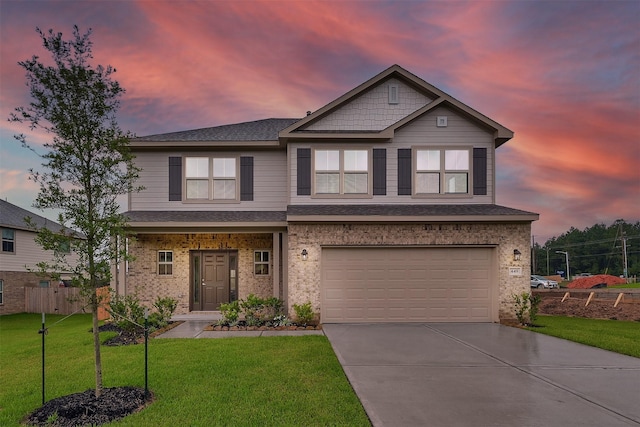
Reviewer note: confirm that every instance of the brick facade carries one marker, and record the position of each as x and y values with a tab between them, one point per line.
304	277
144	281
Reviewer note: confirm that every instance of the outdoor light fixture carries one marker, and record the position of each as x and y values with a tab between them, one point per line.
516	255
304	254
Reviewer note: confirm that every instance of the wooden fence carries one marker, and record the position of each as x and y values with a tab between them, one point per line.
61	301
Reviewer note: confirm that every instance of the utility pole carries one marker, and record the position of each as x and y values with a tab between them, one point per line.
624	255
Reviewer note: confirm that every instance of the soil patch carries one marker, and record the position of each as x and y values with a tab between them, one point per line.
85	409
575	307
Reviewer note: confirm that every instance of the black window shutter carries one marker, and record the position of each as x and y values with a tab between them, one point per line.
304	171
404	171
175	178
246	178
379	171
480	171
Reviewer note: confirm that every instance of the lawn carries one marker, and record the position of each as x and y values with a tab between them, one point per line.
614	335
196	382
627	286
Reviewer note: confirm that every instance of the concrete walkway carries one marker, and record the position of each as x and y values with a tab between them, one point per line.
484	375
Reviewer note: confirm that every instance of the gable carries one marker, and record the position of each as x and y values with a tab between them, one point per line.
373	110
370	112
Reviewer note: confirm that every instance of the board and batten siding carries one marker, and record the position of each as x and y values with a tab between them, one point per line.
421	132
27	254
269	183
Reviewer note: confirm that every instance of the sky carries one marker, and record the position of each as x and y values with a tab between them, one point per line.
563	75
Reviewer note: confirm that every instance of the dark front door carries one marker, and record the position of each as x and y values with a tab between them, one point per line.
215	280
210	280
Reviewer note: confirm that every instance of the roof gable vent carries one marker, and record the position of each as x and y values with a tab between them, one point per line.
393	94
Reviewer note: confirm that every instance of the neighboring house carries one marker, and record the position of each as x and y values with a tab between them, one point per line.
378	207
19	256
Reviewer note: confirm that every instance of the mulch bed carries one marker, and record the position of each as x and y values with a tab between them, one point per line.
85	409
135	336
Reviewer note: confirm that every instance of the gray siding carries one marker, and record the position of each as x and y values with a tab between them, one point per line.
27	254
269	177
372	110
423	131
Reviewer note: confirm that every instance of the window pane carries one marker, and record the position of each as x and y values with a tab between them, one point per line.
7	234
428	183
356	160
197	189
197	167
161	256
356	183
456	182
456	160
327	160
224	189
428	160
327	183
168	256
224	168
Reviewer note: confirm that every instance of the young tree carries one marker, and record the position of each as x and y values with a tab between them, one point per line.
87	166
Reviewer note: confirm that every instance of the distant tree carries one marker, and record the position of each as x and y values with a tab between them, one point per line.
596	249
87	166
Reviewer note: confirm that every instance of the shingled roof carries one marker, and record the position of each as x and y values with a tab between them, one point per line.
259	130
12	216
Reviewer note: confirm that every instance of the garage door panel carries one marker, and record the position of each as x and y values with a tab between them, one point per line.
407	284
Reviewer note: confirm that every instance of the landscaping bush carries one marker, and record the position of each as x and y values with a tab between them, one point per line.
526	308
304	313
128	313
256	311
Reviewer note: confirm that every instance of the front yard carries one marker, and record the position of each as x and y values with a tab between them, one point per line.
196	382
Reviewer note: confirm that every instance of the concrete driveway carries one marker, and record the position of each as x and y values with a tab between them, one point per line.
484	375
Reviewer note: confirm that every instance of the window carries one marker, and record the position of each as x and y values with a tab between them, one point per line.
210	178
261	263
165	263
1	292
442	171
64	246
43	283
8	240
341	172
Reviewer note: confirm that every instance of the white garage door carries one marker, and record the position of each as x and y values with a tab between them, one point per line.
408	285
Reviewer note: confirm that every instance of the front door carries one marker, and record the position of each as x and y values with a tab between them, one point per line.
210	279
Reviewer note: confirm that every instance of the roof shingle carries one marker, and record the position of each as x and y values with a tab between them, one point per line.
259	130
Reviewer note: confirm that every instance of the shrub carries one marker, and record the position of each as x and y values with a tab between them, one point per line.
304	313
165	308
230	313
128	313
526	308
255	310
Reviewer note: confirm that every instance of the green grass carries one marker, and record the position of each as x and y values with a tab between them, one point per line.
285	381
627	286
614	335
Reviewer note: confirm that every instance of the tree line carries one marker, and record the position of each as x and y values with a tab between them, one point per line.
599	249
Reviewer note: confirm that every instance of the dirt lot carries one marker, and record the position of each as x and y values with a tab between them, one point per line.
595	310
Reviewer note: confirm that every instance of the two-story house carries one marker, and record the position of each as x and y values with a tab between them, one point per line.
20	255
378	207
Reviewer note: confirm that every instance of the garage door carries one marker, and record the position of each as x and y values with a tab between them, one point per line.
408	285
